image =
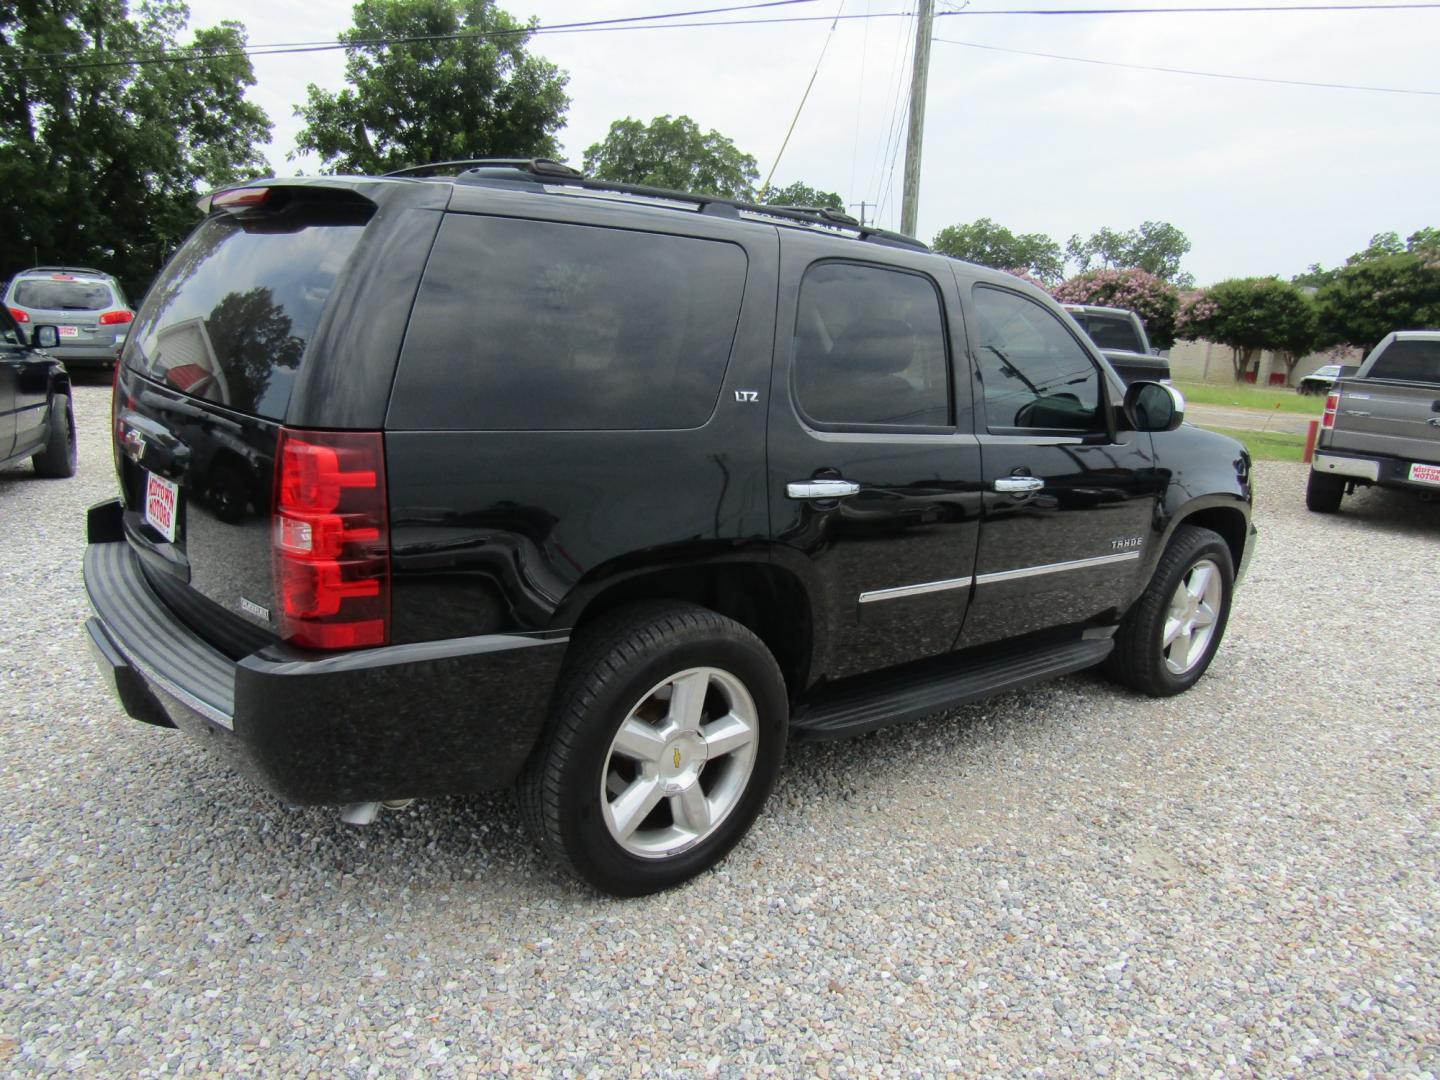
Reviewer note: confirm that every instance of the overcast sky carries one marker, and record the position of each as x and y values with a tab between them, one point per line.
1264	179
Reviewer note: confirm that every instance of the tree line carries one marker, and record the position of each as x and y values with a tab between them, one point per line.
111	125
1390	285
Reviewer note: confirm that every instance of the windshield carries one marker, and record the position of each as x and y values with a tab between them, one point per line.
64	295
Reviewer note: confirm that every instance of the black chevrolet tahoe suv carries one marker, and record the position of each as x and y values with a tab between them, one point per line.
512	478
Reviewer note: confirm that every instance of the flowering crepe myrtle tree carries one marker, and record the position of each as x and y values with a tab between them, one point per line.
1154	299
1250	315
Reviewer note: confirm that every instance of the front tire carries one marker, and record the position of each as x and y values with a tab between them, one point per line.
58	459
1323	492
666	738
1169	637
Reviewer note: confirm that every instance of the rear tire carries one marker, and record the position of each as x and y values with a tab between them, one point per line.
666	738
58	459
1167	640
1323	492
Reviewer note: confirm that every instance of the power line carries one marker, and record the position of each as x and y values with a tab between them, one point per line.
1249	8
803	97
897	78
201	52
1188	71
194	53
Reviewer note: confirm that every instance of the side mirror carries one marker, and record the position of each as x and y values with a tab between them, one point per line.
45	337
1153	406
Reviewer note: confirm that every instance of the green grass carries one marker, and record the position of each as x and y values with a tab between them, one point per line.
1244	396
1267	445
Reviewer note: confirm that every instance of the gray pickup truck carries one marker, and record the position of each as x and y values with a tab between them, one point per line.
1381	426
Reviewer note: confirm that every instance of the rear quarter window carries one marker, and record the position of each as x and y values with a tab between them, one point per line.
526	325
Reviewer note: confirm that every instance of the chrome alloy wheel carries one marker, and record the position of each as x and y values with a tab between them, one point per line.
1190	620
679	763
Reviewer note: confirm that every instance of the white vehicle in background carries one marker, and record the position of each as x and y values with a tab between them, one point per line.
86	306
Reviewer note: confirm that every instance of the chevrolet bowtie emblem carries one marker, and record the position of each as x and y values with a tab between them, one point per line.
677	759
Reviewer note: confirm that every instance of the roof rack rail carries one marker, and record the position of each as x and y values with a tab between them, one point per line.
537	166
541	170
66	269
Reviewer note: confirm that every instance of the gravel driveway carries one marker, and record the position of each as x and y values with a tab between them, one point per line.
1072	879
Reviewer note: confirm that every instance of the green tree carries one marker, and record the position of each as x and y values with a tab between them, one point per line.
672	152
1157	247
988	244
102	164
1421	240
1314	276
1381	246
1252	314
418	95
1370	297
1156	301
798	194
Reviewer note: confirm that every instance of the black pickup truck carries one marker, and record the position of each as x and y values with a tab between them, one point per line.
518	478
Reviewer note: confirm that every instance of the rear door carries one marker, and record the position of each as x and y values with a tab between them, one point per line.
874	486
220	343
1069	502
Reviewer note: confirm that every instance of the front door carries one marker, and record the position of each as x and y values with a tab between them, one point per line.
874	489
1069	501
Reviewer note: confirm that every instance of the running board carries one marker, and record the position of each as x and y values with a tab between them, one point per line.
930	686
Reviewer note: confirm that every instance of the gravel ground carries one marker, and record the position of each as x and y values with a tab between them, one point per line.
1069	880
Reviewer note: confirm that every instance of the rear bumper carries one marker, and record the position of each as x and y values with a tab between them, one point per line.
83	356
1370	469
389	723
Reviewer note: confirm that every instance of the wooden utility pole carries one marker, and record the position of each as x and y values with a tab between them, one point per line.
919	76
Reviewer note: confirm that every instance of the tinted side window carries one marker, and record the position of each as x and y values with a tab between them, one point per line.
870	348
1409	361
528	325
1035	374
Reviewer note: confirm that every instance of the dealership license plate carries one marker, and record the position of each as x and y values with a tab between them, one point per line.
1425	474
69	331
162	500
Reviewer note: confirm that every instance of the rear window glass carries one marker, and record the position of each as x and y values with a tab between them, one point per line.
527	325
1409	361
230	316
64	295
1110	332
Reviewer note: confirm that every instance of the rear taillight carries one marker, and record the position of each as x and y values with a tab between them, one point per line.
331	539
19	315
1332	403
115	318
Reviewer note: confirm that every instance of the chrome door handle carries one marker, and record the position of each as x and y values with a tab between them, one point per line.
821	489
1019	485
